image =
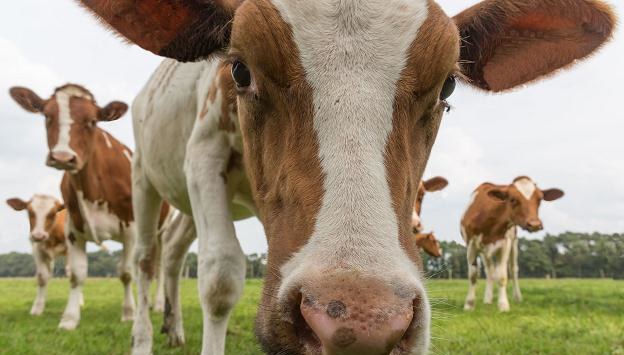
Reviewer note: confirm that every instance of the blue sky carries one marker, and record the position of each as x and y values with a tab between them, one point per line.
564	132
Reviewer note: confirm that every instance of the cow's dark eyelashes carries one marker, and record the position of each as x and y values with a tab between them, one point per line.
448	88
241	74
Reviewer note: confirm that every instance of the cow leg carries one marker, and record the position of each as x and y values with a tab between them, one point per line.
125	274
489	275
501	274
158	302
44	271
221	262
177	242
513	263
77	256
146	205
68	274
473	274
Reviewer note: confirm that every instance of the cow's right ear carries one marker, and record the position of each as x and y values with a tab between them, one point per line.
17	204
26	98
435	184
185	30
499	194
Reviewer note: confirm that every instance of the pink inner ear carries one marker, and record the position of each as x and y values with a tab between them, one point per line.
538	21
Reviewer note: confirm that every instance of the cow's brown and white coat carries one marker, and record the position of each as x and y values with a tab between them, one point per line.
489	228
426	241
333	97
46	215
96	186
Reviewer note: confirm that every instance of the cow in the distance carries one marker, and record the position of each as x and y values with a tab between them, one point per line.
434	184
489	228
334	106
96	186
428	243
46	215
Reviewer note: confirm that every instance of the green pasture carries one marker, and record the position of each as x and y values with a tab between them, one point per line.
569	316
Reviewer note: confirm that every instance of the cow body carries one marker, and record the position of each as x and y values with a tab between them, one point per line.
338	104
47	217
489	228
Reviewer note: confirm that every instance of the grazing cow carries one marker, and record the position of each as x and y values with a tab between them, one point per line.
46	215
489	230
429	244
434	184
96	186
326	101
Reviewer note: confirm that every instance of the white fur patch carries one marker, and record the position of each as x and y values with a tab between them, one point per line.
64	116
526	187
101	224
41	206
353	53
107	140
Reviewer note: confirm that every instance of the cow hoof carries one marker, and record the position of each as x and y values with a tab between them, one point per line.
518	298
127	314
469	307
36	311
175	340
487	301
68	324
503	307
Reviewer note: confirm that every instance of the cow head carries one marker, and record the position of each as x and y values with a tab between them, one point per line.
523	199
71	118
428	243
434	184
339	104
42	210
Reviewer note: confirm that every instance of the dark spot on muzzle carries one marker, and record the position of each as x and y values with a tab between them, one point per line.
336	309
343	337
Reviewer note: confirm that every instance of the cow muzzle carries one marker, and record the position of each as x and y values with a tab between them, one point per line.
534	225
38	236
62	160
346	314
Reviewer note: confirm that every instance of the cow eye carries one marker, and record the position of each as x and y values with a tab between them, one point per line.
241	74
448	88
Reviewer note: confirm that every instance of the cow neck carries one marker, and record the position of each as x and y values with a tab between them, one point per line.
88	181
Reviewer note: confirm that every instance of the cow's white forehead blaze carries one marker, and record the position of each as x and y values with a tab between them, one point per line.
63	97
41	205
526	187
353	54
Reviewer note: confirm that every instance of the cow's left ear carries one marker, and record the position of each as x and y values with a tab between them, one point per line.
435	184
552	194
17	203
507	43
112	111
499	194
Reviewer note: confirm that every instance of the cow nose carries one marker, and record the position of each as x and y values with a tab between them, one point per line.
62	159
39	236
535	225
352	318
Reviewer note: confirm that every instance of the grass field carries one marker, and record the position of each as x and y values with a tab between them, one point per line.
556	317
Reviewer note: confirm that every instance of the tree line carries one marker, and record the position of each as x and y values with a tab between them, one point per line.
565	255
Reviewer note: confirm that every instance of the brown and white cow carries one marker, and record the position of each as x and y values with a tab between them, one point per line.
428	243
327	100
46	215
489	228
96	186
432	185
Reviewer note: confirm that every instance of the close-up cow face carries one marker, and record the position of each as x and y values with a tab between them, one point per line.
523	199
434	184
42	210
339	104
71	117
